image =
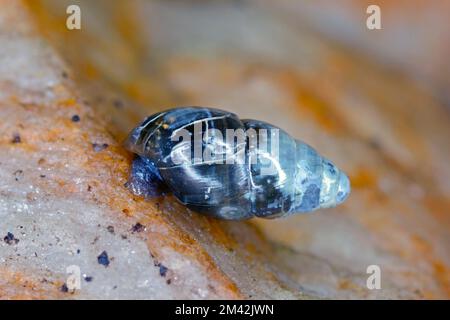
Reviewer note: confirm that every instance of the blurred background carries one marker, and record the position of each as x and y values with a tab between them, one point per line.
376	102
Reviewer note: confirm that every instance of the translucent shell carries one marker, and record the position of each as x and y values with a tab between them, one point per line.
299	179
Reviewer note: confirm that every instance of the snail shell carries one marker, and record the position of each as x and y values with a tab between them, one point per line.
300	180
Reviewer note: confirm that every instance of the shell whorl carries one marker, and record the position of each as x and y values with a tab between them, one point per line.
308	181
313	169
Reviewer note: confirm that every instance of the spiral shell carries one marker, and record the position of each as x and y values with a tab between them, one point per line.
299	179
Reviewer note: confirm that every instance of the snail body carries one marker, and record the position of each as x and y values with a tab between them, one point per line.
184	150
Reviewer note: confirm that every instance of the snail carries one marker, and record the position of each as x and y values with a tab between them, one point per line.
228	168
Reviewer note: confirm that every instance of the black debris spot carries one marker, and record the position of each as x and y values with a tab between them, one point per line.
64	75
419	293
16	138
10	239
42	175
88	279
64	288
137	228
124	237
75	118
95	239
110	229
118	104
103	259
374	144
99	146
89	188
18	174
162	269
78	251
169	281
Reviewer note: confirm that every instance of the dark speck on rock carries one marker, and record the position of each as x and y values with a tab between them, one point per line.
118	104
18	174
103	259
10	239
88	279
99	146
64	288
162	270
16	138
375	144
137	228
95	239
75	118
110	229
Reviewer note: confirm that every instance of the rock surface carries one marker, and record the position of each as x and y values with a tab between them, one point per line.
67	99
